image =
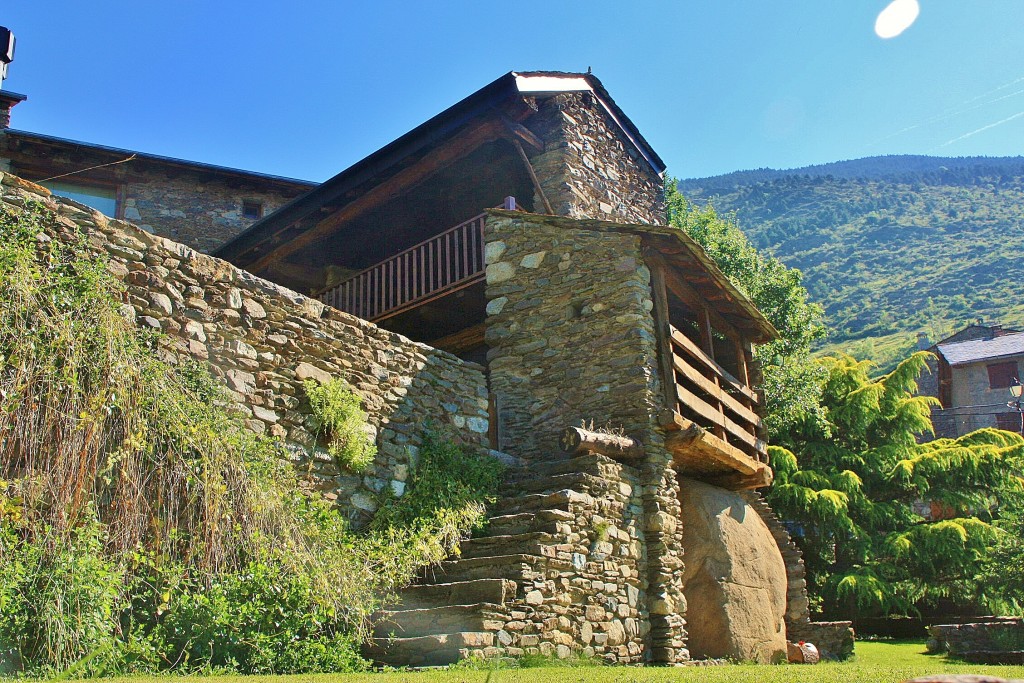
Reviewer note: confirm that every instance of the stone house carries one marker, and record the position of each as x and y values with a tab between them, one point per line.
199	204
972	373
522	231
503	271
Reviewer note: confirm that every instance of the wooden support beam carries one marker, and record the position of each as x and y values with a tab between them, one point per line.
662	334
533	177
692	298
736	481
578	440
461	341
521	132
434	161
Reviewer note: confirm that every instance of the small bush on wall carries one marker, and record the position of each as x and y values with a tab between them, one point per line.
343	421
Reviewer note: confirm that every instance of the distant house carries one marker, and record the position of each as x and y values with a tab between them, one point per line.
972	374
199	204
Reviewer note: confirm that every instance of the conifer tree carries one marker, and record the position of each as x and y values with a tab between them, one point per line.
889	525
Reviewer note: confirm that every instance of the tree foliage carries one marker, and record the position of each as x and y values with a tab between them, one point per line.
889	525
791	381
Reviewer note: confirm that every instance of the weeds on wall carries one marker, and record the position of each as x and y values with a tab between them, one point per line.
342	421
142	527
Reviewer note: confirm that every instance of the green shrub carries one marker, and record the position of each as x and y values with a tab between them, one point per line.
341	418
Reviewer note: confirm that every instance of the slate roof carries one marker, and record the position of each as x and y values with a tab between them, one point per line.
982	349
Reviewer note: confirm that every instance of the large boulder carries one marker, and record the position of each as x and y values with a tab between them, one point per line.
735	579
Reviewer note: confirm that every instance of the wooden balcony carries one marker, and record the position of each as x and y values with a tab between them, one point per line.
427	271
712	419
714	429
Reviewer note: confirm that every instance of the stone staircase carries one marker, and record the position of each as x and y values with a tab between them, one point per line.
474	602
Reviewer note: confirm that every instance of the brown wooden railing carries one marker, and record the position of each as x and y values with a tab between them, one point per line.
426	271
707	394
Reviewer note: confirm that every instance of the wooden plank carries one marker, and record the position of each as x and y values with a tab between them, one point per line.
684	342
533	177
662	333
716	392
461	341
398	184
707	446
693	298
711	414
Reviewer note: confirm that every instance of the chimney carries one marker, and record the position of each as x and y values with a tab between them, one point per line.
922	341
7	101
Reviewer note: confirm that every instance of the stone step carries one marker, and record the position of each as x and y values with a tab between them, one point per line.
556	500
513	567
495	591
523	522
586	464
531	543
433	650
577	481
412	623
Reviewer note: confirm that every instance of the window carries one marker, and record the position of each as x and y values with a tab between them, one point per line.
1001	375
254	210
103	199
1008	421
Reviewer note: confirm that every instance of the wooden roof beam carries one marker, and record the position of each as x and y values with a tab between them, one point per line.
434	161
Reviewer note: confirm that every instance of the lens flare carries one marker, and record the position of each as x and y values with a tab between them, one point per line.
896	18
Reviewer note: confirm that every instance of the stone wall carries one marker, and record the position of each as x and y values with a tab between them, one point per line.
571	339
570	331
588	169
201	214
834	639
998	640
264	340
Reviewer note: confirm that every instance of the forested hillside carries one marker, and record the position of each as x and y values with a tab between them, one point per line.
889	245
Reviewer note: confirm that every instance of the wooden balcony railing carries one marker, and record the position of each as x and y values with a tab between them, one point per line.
711	397
426	271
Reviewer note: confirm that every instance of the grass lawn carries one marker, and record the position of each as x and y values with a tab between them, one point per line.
876	662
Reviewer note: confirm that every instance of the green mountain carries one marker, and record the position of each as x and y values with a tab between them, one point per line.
890	246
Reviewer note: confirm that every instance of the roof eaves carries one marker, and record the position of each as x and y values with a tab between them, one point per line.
416	139
195	165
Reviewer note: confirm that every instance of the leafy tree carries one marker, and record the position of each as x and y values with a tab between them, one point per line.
852	484
792	382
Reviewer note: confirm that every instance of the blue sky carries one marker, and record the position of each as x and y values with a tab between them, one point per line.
306	88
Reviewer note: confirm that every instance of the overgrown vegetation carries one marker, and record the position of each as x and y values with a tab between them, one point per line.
889	525
142	527
341	418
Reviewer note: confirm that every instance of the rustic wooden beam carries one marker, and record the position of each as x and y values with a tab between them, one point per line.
662	333
461	341
533	177
690	296
578	440
521	132
735	481
434	161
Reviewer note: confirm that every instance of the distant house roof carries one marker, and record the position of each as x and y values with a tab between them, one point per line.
117	154
982	349
335	192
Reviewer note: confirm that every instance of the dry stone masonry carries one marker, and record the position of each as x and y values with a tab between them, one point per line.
587	169
583	554
263	341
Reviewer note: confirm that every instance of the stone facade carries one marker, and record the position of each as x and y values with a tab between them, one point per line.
196	204
264	340
200	214
588	169
570	331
